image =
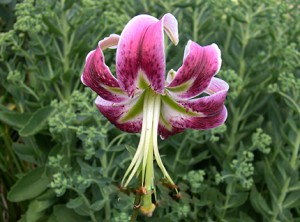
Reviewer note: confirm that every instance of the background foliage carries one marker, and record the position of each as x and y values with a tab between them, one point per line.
61	160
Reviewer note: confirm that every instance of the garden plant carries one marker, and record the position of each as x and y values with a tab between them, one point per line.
62	160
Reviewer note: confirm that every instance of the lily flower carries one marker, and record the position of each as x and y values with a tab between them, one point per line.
142	98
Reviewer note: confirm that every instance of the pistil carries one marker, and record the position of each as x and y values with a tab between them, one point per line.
153	106
142	161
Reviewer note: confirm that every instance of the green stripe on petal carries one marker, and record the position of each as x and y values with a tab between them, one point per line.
181	88
142	81
115	90
178	108
135	110
165	122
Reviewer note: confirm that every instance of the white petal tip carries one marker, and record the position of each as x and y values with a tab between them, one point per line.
109	42
171	27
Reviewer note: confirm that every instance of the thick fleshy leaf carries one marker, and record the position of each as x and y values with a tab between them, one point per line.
200	64
97	75
126	115
141	52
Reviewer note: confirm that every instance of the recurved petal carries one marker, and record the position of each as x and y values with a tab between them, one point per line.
212	104
166	132
125	115
203	113
199	122
141	52
97	75
200	64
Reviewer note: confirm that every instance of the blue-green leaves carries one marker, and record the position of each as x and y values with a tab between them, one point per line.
29	186
37	121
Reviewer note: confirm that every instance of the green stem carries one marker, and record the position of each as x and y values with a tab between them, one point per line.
281	199
195	24
87	203
105	167
285	188
225	207
233	132
245	40
178	153
8	145
30	91
120	137
295	152
228	36
291	100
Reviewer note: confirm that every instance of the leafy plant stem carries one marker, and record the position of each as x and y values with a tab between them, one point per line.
285	188
66	49
50	69
280	199
195	24
245	40
60	95
233	131
87	203
36	149
295	151
30	91
178	153
225	206
7	143
119	137
228	36
104	165
291	100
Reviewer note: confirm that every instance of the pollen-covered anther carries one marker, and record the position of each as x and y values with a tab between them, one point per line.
170	185
123	189
178	196
141	191
136	206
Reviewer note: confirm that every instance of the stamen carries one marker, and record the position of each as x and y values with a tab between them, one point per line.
148	148
138	155
155	147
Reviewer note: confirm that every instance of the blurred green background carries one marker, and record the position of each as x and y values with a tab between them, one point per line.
60	160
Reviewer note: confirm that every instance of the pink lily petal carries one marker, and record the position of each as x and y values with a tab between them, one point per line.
200	64
141	52
166	132
117	113
201	113
200	122
97	75
209	105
